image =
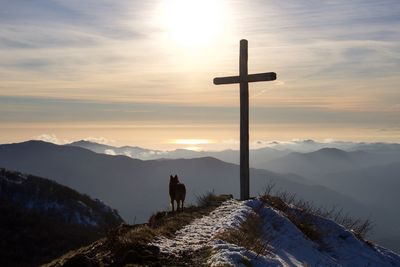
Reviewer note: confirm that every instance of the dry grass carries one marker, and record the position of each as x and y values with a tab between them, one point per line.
307	211
166	224
302	220
249	235
211	200
130	243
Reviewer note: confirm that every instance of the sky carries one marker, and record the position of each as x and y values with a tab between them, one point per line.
140	72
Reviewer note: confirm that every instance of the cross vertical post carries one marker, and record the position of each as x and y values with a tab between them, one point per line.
244	122
243	79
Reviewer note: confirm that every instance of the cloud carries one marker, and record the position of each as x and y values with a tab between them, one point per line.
110	152
128	153
99	140
337	64
320	49
51	138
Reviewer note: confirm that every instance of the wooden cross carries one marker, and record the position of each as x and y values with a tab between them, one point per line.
244	78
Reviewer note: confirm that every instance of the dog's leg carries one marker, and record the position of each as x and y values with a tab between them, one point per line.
172	204
177	205
182	204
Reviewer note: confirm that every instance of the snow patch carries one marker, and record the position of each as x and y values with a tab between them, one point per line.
200	232
289	246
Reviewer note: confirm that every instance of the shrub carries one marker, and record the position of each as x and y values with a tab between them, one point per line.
282	200
210	199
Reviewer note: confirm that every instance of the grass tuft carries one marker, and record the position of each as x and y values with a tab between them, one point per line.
209	199
302	213
248	235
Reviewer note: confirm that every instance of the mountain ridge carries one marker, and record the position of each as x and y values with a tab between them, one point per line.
41	219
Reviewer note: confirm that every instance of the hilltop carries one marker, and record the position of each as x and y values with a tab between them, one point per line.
266	231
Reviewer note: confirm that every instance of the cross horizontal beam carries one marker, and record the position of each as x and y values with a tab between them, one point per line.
259	77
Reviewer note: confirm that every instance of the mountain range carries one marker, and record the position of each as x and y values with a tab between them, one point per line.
137	188
364	154
257	156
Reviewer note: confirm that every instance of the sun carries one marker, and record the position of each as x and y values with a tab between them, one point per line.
193	22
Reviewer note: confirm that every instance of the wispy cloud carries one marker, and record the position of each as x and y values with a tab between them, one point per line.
99	140
110	152
51	138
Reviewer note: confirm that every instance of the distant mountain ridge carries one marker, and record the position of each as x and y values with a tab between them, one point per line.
257	156
326	160
130	151
263	158
377	185
131	184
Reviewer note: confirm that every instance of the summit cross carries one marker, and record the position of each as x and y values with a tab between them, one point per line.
244	79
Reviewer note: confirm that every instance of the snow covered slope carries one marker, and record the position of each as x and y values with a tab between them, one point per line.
287	245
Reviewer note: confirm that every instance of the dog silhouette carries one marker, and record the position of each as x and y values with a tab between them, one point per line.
177	192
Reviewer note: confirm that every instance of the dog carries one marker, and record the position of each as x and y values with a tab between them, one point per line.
177	192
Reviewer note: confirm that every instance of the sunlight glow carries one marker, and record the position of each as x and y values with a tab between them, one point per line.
191	142
193	148
193	23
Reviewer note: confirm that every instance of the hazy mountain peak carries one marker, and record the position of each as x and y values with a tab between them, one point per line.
330	151
327	152
84	142
35	143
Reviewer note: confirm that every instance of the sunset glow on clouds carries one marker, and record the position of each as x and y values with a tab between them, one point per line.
132	71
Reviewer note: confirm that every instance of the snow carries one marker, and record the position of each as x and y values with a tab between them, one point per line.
288	245
201	231
83	220
77	217
17	178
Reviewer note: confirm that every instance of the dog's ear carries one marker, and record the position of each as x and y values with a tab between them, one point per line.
171	177
176	176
